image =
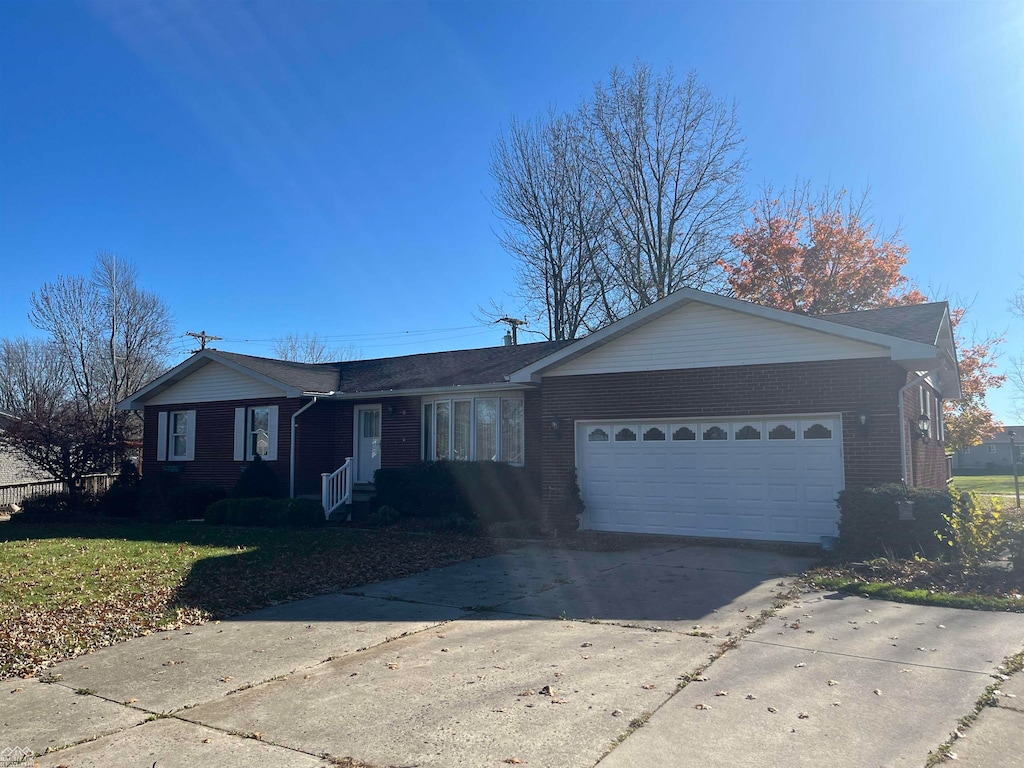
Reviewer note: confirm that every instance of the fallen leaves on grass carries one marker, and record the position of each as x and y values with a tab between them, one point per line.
68	590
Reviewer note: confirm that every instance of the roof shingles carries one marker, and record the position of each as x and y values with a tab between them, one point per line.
492	365
463	367
914	322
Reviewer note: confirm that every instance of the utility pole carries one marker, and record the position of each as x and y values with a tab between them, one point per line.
513	323
1013	461
203	338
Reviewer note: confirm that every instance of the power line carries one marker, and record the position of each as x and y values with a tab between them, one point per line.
358	336
203	338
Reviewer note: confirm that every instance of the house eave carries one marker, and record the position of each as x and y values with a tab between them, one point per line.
421	391
900	349
186	368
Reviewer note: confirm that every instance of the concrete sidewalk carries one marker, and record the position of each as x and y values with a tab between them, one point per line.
551	658
834	680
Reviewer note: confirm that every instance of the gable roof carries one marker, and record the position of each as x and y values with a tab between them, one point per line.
917	336
914	322
907	326
427	371
305	377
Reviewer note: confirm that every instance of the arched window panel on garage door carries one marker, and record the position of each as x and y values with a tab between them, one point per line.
782	430
748	431
626	434
653	433
714	432
818	429
684	432
598	434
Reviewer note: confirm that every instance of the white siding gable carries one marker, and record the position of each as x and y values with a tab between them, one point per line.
702	336
212	383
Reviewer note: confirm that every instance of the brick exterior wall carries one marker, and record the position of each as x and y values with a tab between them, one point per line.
214	461
926	459
870	455
325	431
324	439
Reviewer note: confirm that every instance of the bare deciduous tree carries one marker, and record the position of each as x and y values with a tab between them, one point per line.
106	337
114	335
51	428
311	348
554	215
669	156
33	377
609	208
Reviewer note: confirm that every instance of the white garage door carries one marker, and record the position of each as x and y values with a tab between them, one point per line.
771	479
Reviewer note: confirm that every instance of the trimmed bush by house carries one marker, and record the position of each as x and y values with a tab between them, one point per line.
490	492
165	497
869	524
124	497
258	480
384	516
274	513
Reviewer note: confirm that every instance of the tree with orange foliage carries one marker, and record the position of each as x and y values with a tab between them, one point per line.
968	421
817	255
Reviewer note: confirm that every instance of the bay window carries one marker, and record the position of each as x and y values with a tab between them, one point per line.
474	429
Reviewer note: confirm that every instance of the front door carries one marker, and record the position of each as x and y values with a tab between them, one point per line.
367	418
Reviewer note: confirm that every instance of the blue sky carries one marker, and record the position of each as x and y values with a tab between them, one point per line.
322	166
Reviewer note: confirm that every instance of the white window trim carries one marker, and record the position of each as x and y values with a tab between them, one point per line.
243	444
166	435
992	448
428	451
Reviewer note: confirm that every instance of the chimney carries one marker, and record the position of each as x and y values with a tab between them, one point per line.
508	339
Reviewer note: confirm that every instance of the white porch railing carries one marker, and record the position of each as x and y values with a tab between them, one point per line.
336	487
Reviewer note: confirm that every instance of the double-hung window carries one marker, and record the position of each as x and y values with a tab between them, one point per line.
176	436
259	431
483	428
256	432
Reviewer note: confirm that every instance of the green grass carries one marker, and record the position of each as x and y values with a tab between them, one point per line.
999	484
918	596
65	590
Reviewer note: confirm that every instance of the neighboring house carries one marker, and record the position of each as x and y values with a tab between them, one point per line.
698	415
993	453
15	472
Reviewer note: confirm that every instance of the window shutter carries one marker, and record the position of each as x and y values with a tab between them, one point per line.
190	437
240	434
161	436
272	429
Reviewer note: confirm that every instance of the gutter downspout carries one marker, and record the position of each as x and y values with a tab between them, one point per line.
291	448
907	478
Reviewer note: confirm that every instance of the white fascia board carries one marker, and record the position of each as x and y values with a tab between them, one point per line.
186	368
901	349
418	391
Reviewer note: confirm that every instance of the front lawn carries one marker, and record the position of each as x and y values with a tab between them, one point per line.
65	590
992	587
992	484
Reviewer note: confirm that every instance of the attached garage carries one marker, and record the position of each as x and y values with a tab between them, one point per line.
701	415
772	479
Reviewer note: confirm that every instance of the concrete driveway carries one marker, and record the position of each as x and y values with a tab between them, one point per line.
536	657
